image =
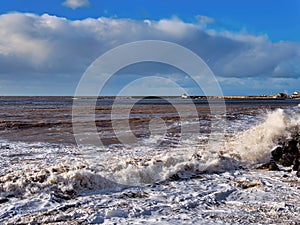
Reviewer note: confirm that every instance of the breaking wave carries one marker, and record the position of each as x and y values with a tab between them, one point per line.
114	169
241	149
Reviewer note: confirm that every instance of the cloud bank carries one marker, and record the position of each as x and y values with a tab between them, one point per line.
47	46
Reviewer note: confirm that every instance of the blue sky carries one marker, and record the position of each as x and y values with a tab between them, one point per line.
254	46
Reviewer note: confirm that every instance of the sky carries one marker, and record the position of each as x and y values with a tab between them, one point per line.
252	47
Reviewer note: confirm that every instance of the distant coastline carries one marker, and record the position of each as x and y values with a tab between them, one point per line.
194	97
279	96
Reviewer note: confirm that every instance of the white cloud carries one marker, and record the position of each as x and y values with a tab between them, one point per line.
205	20
174	27
74	4
50	45
18	41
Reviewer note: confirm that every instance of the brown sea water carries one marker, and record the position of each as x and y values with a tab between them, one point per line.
49	119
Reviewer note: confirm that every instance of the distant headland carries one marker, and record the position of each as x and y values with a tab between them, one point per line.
295	95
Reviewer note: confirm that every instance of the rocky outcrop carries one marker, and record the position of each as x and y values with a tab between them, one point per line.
287	153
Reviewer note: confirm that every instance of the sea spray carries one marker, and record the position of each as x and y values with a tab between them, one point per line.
243	149
253	145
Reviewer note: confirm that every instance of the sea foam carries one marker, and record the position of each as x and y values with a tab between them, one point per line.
243	148
139	165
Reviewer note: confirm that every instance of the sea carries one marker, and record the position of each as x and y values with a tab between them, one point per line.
145	160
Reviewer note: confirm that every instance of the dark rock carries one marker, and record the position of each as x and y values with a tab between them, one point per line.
277	153
181	175
10	196
296	136
287	159
3	200
174	177
296	164
291	147
288	154
71	193
272	166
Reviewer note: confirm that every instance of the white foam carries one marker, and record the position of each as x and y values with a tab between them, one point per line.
243	148
41	177
140	164
254	145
